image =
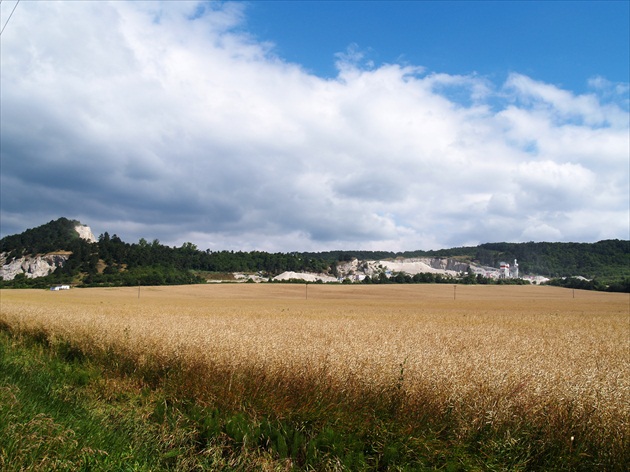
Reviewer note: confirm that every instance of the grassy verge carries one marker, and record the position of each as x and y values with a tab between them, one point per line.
63	409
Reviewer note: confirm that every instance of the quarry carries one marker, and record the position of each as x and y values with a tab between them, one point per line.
357	270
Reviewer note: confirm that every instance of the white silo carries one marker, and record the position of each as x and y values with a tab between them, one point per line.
504	270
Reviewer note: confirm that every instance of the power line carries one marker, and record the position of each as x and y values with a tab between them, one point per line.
7	22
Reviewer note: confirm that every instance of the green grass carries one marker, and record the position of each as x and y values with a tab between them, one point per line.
58	413
61	410
47	422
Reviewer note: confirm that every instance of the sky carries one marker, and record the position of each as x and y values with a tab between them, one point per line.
313	126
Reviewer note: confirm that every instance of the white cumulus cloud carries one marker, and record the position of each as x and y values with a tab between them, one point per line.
169	121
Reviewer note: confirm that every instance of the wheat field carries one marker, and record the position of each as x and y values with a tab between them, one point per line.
486	356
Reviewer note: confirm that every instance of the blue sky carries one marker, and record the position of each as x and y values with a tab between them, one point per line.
308	126
563	42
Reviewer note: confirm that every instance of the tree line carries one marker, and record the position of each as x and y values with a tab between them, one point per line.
111	261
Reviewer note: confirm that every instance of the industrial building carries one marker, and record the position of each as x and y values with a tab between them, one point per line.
507	272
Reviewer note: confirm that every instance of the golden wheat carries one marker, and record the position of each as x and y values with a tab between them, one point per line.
487	355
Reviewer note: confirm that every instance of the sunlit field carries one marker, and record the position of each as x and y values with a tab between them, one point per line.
471	359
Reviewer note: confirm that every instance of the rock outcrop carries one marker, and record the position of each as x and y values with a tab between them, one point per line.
85	233
31	266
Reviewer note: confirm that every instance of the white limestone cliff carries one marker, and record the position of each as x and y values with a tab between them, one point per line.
31	266
85	232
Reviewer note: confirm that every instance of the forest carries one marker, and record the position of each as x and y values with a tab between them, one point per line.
112	262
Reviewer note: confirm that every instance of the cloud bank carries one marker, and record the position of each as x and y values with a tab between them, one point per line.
169	121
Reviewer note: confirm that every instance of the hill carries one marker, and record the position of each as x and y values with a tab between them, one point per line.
110	261
61	234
